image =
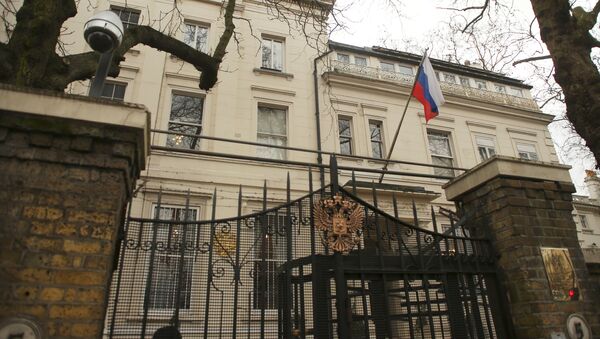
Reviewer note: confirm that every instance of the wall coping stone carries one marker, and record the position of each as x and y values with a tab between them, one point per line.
506	167
76	107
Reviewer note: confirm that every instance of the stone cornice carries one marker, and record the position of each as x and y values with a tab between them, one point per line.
399	89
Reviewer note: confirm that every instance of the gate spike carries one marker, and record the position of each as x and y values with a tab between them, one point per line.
353	182
288	188
264	196
435	228
210	264
374	193
395	203
415	216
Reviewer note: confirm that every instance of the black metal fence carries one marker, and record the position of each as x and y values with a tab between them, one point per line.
275	274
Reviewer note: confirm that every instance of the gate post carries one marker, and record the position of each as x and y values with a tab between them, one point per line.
341	292
69	166
524	208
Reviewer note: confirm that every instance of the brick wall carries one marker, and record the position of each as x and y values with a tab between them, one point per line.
520	216
64	187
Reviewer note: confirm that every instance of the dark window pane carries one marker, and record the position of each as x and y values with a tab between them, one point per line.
119	92
376	139
107	90
345	146
186	109
181	141
115	91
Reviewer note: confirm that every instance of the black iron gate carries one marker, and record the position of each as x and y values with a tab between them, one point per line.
326	265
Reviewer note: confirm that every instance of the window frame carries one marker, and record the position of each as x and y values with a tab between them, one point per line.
481	84
486	148
393	66
452	157
366	64
272	39
119	10
273	260
196	26
285	137
349	138
517	92
464	81
340	56
447	78
114	84
189	261
405	67
584	222
178	139
519	143
372	141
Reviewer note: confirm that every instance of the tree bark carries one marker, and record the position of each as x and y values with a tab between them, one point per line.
30	58
566	34
32	47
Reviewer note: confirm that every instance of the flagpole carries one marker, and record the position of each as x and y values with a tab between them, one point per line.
387	160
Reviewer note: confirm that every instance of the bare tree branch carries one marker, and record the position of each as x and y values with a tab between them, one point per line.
226	36
82	66
537	58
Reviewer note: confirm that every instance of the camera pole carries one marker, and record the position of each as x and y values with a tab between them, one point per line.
101	73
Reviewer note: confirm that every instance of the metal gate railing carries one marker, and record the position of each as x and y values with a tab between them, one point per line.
326	265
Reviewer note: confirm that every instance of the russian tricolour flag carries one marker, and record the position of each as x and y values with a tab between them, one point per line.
427	90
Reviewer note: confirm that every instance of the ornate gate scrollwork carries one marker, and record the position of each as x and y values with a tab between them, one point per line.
339	221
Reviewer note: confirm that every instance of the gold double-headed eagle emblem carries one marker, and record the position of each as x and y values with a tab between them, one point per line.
339	220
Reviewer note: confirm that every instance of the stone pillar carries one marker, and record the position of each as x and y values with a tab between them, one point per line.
523	207
68	168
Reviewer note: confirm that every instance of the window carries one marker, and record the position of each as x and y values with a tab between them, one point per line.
405	70
584	223
114	90
376	139
465	82
386	66
270	253
272	54
481	84
165	291
527	151
360	61
486	147
272	130
500	89
185	118
128	16
441	152
516	91
450	78
345	130
343	58
196	36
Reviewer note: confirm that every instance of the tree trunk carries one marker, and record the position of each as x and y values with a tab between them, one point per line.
570	43
32	47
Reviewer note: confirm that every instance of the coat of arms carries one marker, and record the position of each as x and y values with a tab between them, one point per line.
339	221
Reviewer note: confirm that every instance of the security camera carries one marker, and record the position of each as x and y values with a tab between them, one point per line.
104	31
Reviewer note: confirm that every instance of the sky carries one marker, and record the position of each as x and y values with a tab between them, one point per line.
370	22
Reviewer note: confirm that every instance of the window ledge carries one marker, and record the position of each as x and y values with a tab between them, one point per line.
288	76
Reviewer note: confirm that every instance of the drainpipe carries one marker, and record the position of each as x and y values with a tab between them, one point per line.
318	118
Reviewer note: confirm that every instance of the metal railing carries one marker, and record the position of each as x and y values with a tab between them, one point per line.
447	87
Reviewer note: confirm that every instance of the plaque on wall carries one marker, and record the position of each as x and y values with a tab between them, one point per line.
560	272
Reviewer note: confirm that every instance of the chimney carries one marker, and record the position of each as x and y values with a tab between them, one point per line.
593	184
